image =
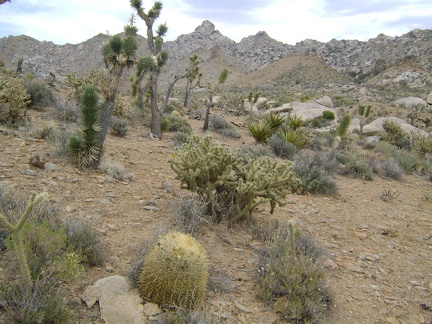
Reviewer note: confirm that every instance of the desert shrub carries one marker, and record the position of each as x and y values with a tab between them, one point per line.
37	161
118	126
281	147
354	162
407	160
319	122
165	125
422	144
14	100
218	122
115	170
46	132
181	315
315	172
255	152
84	239
232	188
43	303
179	138
40	94
221	126
393	133
190	214
66	110
300	138
260	131
60	139
177	124
392	170
328	115
291	275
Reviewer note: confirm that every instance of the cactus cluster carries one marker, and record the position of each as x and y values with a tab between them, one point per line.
14	100
232	187
175	272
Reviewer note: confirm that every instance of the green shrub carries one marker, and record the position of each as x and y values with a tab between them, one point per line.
422	144
354	162
165	125
328	115
393	133
393	170
83	238
177	123
292	279
118	126
281	147
40	94
231	187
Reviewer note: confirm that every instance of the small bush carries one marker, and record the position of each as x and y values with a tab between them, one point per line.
274	121
83	238
118	126
255	152
393	170
315	172
281	147
291	275
40	94
66	110
328	115
190	214
179	138
355	163
218	122
422	145
175	123
165	125
114	170
342	129
393	133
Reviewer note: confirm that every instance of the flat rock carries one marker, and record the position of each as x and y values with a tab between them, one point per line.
118	302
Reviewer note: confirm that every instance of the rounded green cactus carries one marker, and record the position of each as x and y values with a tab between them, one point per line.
175	272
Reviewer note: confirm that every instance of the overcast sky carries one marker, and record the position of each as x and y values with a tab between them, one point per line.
288	21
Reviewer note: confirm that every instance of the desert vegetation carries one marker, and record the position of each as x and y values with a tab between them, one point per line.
234	167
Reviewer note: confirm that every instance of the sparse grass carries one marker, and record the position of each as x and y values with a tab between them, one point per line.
190	214
291	278
66	110
115	170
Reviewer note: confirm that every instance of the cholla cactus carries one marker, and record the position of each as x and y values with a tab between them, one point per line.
14	100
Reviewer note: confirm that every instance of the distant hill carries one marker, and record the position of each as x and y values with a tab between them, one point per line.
256	60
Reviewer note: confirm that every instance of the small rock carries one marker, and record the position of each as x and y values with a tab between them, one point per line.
243	308
392	320
329	264
51	166
152	309
151	208
109	268
383	311
361	236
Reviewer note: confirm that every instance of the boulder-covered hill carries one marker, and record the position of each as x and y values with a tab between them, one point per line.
341	60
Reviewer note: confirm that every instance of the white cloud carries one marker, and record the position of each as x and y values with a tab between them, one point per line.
289	21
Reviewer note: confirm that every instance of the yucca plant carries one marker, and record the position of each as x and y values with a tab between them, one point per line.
295	121
260	131
274	121
301	138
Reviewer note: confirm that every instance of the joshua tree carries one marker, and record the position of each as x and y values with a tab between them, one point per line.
159	57
193	74
212	89
119	53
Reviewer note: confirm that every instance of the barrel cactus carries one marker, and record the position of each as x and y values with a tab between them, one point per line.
175	272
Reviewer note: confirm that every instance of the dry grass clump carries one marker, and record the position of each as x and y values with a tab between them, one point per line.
115	170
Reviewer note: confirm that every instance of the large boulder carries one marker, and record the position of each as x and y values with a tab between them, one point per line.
325	101
310	110
411	102
262	103
375	126
429	99
354	127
